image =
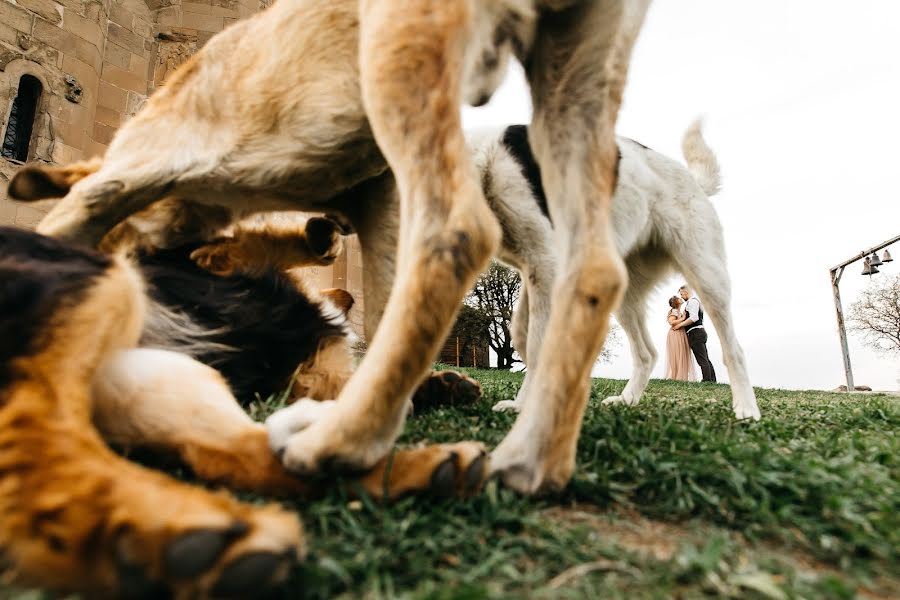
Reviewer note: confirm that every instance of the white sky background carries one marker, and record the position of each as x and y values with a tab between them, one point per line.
802	100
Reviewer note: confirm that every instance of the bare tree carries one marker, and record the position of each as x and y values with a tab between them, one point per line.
876	315
491	303
494	296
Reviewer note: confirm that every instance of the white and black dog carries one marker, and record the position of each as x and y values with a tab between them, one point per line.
663	221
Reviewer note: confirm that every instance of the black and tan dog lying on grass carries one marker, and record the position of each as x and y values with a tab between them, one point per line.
74	377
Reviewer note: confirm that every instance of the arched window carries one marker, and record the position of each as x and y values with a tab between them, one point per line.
21	119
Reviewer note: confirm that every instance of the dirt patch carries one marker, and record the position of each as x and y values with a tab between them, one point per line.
660	540
629	529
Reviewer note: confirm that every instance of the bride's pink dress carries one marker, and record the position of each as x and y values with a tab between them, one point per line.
679	359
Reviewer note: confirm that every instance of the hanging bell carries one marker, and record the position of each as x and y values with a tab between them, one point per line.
868	269
886	257
876	262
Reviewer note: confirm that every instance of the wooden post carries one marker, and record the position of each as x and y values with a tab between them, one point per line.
836	272
457	351
835	281
474	361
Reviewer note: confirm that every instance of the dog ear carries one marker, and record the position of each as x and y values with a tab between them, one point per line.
37	182
341	298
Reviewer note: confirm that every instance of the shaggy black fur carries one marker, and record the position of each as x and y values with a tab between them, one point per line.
515	138
38	276
273	326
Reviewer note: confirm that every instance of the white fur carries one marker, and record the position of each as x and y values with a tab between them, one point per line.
662	220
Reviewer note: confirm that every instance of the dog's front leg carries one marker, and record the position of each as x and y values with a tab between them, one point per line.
577	74
411	57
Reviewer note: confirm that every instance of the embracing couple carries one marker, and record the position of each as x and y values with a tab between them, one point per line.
687	335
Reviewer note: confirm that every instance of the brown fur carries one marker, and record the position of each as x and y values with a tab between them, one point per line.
315	124
77	517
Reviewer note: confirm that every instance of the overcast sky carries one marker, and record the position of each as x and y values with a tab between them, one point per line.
802	100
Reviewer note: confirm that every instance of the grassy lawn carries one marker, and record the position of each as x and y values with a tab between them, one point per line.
671	499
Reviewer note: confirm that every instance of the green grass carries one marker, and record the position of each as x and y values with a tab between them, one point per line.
670	499
805	503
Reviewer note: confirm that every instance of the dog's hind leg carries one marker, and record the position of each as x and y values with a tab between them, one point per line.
704	267
643	273
100	201
411	57
577	74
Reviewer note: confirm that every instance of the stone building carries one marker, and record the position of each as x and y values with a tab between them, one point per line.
72	71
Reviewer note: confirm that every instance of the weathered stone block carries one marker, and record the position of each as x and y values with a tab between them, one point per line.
142	28
117	55
111	97
93	148
198	8
169	17
139	66
86	75
108	117
121	15
202	22
89	53
15	17
45	8
124	79
8	34
86	30
54	36
126	38
103	134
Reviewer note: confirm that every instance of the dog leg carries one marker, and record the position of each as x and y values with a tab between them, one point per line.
643	272
146	398
577	74
705	270
76	517
530	324
445	469
273	246
643	356
411	60
99	202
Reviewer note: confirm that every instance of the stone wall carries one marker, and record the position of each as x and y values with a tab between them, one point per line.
98	61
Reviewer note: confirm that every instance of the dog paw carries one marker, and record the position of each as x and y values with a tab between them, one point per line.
462	472
284	423
445	388
324	438
623	399
517	464
148	536
323	237
747	410
443	470
253	554
507	406
219	258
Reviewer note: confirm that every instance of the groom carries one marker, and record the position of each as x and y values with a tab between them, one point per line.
696	333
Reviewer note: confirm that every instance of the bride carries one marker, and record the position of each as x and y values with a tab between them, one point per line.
679	360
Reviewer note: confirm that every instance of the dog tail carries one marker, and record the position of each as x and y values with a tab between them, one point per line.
701	160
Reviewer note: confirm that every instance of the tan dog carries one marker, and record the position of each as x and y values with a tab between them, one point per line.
314	125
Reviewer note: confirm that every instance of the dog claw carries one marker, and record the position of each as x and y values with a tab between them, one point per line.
443	480
476	473
195	552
